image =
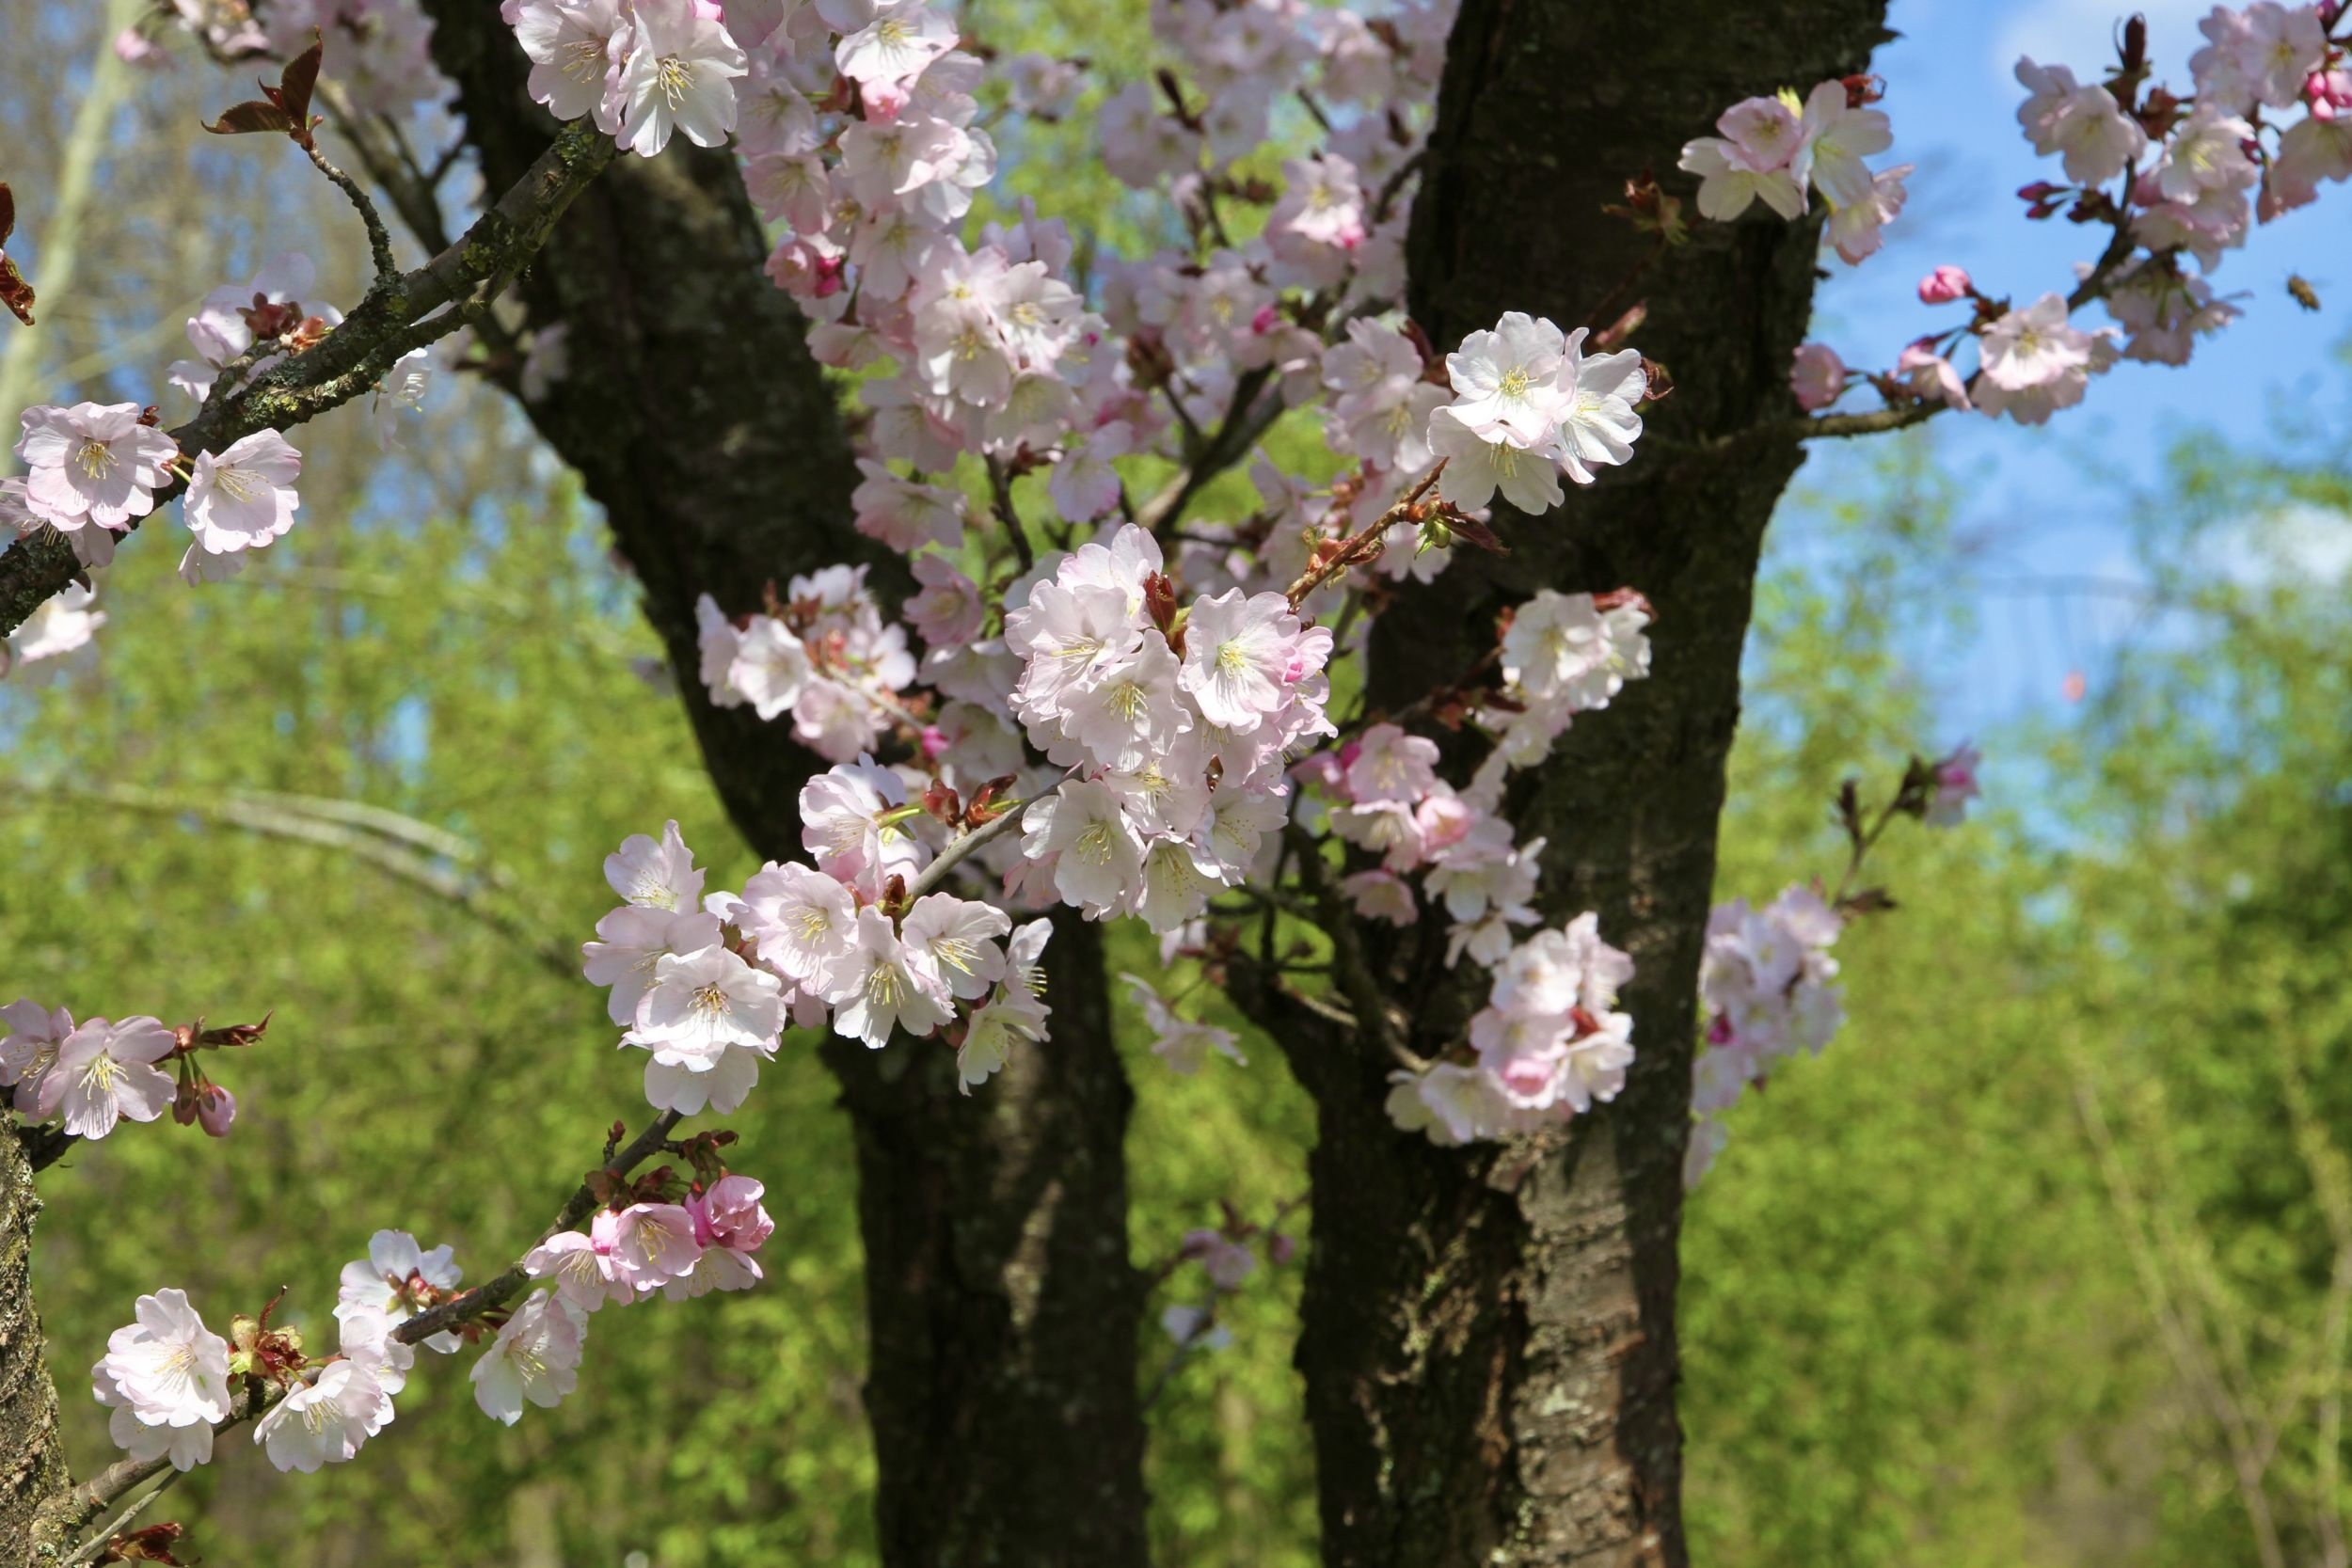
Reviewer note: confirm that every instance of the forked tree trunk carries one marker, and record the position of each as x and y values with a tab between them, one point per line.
1002	1306
1489	1338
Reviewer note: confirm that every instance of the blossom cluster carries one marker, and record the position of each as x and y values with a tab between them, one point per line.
94	1075
1175	723
1782	151
706	989
859	127
1549	1044
168	1379
2177	179
1528	404
1767	991
824	655
92	470
1767	983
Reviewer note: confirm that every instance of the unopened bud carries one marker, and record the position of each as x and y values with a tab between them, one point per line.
215	1110
1944	285
183	1104
236	1035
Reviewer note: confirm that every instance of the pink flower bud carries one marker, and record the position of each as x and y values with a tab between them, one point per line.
133	47
1281	1247
183	1104
215	1110
1817	376
1944	285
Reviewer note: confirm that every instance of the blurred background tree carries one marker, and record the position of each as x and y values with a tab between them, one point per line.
2048	1260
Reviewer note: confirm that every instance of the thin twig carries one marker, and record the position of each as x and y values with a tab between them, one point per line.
1364	548
379	238
1000	500
978	839
493	1294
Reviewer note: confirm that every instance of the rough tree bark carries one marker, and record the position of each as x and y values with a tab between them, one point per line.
32	1470
1002	1306
1489	1340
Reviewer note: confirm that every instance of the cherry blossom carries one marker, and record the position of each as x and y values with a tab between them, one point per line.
399	1279
144	1441
885	984
1945	284
2081	120
649	1244
105	1071
581	1270
62	625
91	463
655	875
402	390
1184	1045
2034	362
29	1049
730	1226
632	942
575	48
166	1367
677	73
242	497
535	1359
1955	786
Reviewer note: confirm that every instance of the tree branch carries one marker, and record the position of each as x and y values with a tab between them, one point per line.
354	829
1247	418
379	238
496	1293
394	317
978	838
72	1512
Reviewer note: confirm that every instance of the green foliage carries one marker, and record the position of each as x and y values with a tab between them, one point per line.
423	1070
1980	1285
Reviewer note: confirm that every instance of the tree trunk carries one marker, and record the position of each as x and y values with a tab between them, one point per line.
1489	1339
32	1460
1003	1310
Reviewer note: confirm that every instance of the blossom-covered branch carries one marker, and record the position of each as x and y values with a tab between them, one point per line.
120	471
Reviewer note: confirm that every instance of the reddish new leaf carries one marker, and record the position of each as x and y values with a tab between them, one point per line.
284	109
300	79
243	119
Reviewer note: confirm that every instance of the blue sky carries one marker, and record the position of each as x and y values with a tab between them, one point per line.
2055	503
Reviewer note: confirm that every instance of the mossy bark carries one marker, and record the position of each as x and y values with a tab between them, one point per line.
32	1460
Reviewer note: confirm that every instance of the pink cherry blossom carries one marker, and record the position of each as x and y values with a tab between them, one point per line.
91	463
242	497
